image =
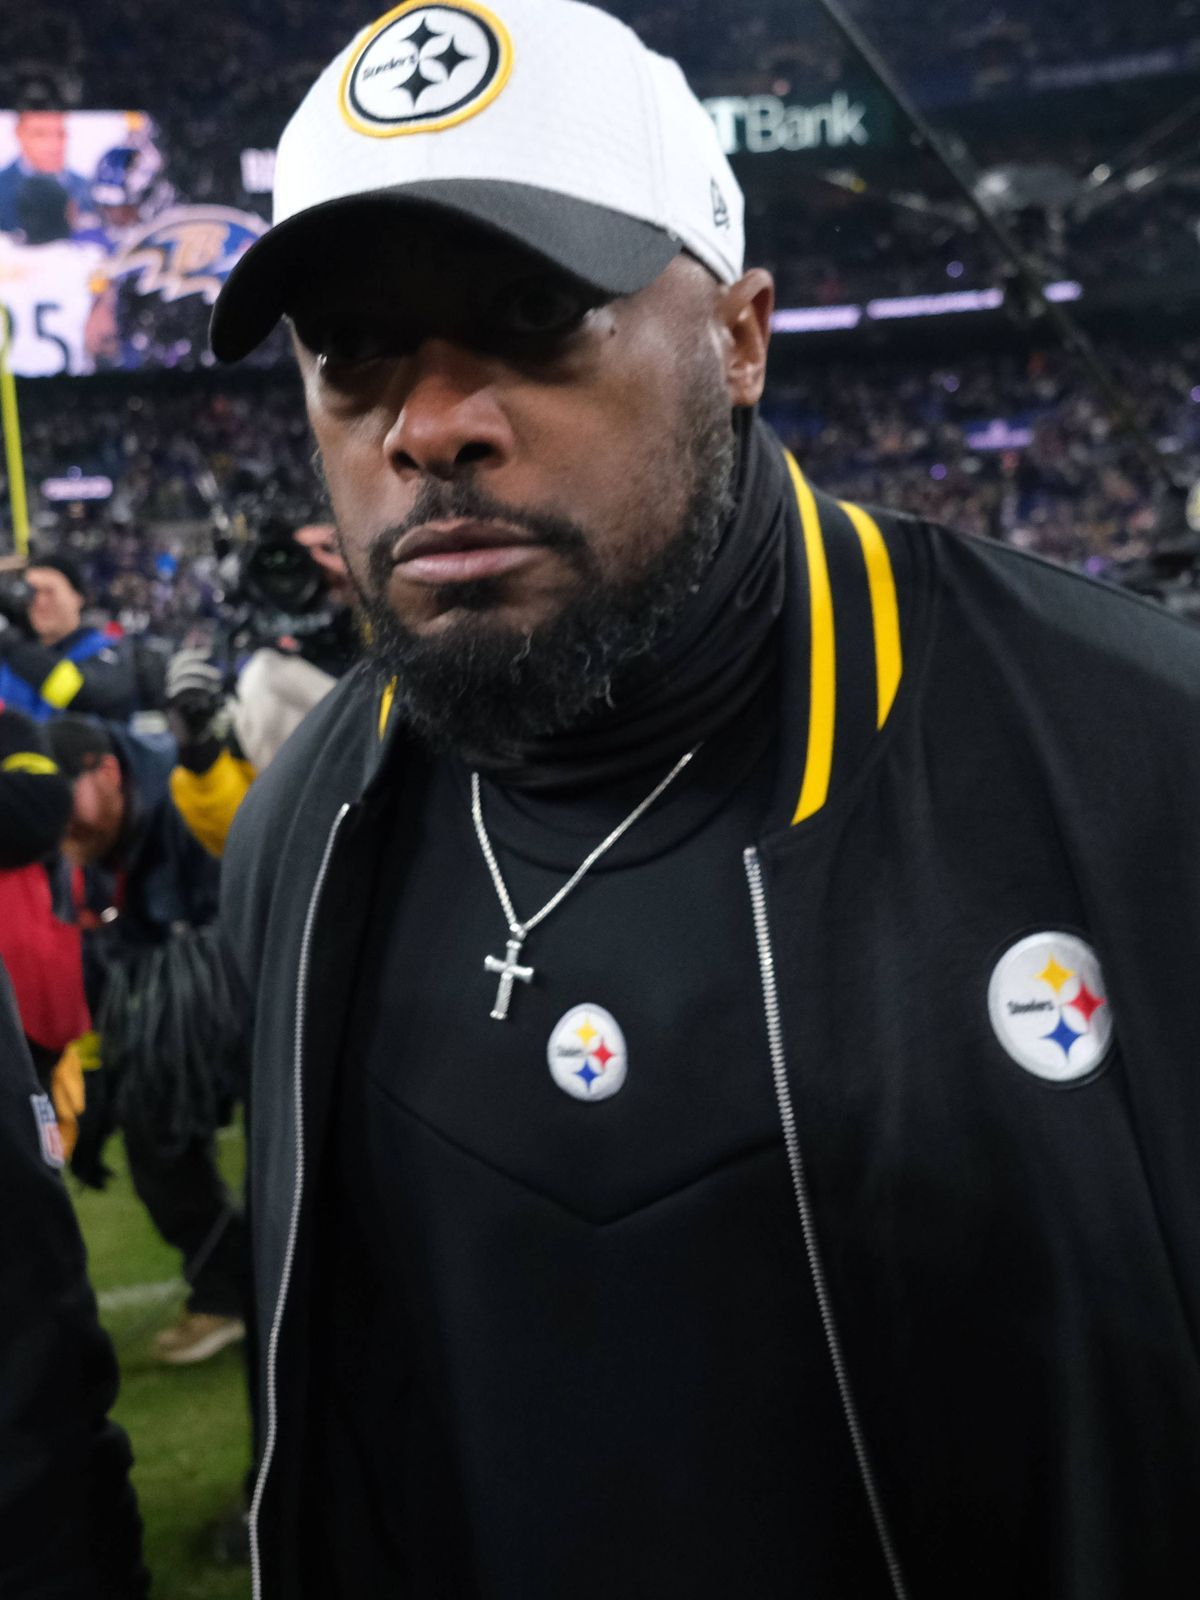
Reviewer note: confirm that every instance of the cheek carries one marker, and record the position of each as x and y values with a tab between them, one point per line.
356	477
625	475
86	812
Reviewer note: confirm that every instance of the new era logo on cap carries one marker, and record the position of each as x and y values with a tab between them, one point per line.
544	120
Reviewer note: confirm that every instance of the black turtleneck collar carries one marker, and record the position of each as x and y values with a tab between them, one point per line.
709	670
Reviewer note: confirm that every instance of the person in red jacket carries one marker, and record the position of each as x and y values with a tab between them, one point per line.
41	948
69	1523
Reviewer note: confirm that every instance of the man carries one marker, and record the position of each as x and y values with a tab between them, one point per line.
297	582
50	661
691	1152
302	628
211	775
42	143
151	889
68	1517
128	190
39	940
51	285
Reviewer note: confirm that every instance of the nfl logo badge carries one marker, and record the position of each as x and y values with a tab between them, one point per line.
49	1138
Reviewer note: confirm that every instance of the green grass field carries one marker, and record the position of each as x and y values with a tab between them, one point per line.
188	1425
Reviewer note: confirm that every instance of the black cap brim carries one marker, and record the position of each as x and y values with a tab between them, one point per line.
608	250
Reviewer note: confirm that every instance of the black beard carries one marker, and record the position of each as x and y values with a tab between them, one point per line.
486	690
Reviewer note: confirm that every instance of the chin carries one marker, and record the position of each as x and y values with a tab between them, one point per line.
479	613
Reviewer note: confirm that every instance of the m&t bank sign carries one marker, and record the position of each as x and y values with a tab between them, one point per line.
757	124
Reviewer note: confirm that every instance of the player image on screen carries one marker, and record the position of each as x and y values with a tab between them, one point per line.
103	267
50	285
129	188
129	184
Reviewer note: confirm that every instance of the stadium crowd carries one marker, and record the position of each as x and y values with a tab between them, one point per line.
115	48
825	244
1018	447
869	247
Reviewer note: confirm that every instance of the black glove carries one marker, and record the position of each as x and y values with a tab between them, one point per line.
195	707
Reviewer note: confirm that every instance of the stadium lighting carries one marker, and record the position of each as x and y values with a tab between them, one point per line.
77	487
816	319
959	302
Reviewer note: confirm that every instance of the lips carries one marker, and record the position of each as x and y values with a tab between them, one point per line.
458	551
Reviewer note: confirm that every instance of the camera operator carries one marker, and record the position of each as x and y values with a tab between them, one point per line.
212	776
294	585
291	608
49	660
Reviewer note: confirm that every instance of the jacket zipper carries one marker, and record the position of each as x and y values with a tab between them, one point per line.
783	1095
297	1194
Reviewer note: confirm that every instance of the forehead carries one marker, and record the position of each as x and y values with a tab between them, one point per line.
47	578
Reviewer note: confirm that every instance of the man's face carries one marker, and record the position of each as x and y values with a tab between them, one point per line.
527	482
56	607
320	540
98	813
42	136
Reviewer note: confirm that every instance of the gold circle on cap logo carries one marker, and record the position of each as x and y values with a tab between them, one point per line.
423	67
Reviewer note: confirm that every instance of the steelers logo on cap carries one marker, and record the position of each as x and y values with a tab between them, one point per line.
1049	1007
587	1053
423	67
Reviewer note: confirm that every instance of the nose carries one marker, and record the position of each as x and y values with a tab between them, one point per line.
451	416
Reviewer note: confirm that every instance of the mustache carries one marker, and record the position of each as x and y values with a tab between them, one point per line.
444	502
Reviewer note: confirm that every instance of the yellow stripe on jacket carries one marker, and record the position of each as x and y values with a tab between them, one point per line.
818	762
885	609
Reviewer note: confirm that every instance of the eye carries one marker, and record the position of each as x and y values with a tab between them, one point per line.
540	308
347	344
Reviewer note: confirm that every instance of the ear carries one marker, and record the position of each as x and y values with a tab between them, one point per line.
744	310
109	769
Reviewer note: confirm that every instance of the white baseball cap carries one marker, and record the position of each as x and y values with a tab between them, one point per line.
546	121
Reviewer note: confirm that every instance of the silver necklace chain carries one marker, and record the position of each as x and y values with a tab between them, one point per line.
509	969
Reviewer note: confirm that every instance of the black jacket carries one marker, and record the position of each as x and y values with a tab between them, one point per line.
84	673
159	879
974	746
69	1526
170	879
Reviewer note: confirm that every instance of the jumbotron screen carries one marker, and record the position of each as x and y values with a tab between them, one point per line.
103	267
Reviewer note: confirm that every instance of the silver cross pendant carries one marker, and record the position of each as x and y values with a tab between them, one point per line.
509	970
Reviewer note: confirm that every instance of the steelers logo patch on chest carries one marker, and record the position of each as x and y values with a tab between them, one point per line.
1049	1007
423	67
587	1053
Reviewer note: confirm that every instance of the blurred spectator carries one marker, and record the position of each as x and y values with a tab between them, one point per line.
212	777
39	940
67	1508
910	431
50	660
299	576
298	582
156	988
68	1513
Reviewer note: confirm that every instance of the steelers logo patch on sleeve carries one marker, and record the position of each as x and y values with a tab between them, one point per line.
423	67
1049	1007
